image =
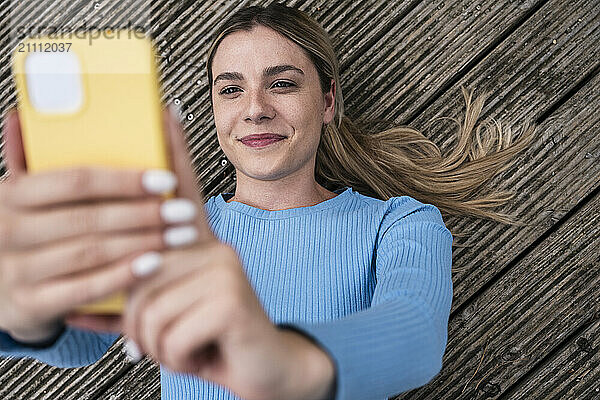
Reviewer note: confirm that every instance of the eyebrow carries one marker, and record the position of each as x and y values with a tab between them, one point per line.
269	71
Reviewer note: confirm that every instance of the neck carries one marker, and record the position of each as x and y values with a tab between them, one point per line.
280	195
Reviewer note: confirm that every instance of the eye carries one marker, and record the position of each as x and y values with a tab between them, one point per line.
288	84
225	90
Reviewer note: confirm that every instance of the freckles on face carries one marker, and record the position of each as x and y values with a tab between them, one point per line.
257	88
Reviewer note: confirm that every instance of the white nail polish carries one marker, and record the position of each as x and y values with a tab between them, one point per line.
146	264
159	181
178	210
180	235
132	351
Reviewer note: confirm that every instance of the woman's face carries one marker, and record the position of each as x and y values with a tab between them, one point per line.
264	83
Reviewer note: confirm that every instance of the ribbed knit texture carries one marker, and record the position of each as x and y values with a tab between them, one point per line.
367	280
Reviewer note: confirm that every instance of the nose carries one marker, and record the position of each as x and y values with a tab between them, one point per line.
259	107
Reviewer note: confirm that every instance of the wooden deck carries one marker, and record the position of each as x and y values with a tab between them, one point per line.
525	318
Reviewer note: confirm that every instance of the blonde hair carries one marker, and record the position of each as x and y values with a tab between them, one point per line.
400	160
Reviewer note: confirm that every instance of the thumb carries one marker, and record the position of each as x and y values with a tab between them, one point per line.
181	165
101	323
13	144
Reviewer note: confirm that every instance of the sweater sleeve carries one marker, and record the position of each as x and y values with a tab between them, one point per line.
73	348
397	343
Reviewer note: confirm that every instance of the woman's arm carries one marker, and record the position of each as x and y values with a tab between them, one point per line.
72	348
397	344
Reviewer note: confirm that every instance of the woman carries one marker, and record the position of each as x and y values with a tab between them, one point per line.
297	286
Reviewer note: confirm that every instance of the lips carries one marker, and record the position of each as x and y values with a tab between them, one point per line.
262	136
261	139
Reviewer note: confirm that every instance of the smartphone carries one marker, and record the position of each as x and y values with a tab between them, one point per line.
91	98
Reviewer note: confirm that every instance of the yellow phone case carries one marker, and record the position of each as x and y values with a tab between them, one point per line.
119	119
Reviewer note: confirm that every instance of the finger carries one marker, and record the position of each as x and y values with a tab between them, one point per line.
183	167
98	323
168	305
66	185
187	352
177	265
66	294
39	227
13	145
77	255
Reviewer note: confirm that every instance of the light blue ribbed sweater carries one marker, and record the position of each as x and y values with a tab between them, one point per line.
368	280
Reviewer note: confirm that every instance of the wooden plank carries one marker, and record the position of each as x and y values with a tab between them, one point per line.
546	298
435	43
572	373
465	341
141	382
528	74
31	379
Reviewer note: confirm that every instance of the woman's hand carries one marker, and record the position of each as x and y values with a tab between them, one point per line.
200	315
60	247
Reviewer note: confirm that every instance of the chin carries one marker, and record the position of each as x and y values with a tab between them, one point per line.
264	174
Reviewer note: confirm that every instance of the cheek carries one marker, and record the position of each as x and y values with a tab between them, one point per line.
222	117
305	111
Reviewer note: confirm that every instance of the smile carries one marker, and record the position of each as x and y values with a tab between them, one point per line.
261	142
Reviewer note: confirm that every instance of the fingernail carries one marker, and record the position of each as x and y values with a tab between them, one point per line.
180	235
178	210
159	181
132	351
146	264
